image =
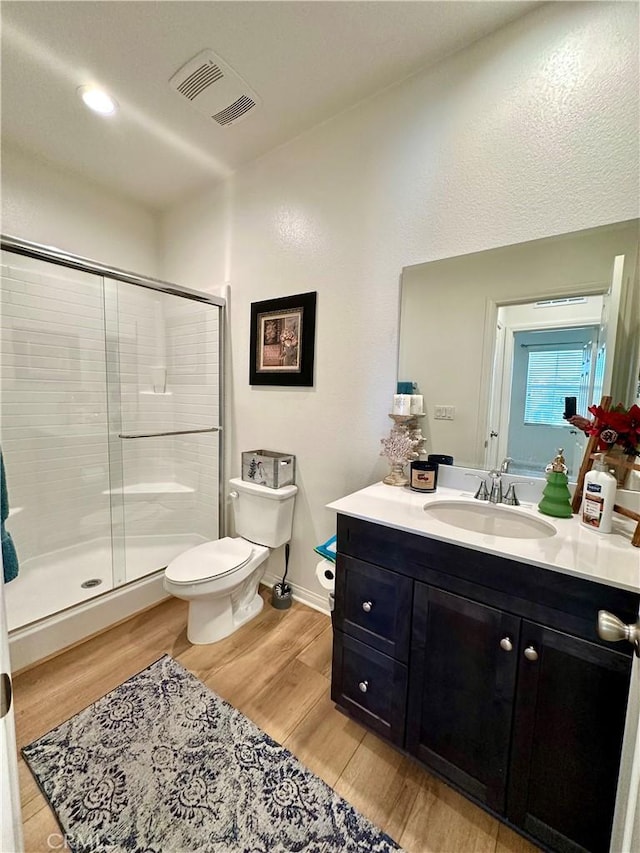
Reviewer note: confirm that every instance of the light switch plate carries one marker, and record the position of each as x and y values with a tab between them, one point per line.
444	413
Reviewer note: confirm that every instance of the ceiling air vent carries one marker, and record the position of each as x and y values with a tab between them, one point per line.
235	111
214	89
198	80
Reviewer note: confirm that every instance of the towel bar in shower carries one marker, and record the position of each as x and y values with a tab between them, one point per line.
174	432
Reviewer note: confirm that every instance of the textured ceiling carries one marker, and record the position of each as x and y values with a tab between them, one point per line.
306	60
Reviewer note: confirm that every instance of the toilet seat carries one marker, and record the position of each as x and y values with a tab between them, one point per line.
210	560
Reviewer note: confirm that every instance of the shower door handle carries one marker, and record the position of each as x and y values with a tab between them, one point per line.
173	432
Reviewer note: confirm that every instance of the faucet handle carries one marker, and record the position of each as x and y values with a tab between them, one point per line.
481	494
511	499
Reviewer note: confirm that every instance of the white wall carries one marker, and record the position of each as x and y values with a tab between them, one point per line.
46	205
530	132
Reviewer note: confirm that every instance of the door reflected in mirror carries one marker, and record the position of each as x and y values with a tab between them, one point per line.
506	334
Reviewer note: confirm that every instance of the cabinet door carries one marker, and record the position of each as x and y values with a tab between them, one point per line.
568	728
461	692
370	686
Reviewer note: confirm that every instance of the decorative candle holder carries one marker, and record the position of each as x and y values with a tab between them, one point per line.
403	444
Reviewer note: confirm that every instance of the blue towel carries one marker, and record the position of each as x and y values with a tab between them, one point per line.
9	556
328	549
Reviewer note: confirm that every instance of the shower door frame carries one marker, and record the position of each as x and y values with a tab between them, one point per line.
77	262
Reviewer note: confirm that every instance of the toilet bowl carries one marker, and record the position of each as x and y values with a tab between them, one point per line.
220	579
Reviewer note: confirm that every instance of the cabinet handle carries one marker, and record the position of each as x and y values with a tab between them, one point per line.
367	606
506	644
364	686
530	653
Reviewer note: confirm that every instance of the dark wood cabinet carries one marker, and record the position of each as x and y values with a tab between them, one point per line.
372	606
490	672
371	646
371	686
462	691
568	728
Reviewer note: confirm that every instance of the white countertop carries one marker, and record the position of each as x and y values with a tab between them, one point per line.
573	550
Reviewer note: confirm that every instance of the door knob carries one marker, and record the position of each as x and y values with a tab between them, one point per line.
612	630
367	606
506	644
530	653
364	686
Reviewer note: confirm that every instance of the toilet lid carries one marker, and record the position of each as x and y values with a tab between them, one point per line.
211	560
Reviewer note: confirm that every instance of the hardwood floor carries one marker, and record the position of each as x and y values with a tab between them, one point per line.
276	671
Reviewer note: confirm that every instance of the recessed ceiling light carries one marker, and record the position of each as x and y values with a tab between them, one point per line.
98	100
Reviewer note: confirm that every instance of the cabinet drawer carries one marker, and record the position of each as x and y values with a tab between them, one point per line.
370	686
374	606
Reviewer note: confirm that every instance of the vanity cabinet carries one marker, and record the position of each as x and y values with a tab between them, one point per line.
488	671
371	649
462	691
567	738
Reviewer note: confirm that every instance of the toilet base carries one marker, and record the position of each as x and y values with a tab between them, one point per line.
212	619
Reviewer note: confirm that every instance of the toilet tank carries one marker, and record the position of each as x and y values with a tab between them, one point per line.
262	515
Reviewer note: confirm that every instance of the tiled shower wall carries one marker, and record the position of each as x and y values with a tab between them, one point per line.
182	336
57	407
54	412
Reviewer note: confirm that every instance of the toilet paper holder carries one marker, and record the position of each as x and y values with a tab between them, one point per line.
326	574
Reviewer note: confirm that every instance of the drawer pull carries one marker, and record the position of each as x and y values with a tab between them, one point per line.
506	644
367	606
364	686
530	653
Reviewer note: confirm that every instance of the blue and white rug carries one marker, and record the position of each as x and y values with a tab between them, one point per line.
163	765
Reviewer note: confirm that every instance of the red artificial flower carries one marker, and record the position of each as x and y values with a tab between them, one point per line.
617	426
634	424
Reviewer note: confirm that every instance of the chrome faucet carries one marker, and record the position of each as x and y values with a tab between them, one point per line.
504	465
495	495
492	491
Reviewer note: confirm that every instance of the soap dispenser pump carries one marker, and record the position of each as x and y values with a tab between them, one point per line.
556	497
598	497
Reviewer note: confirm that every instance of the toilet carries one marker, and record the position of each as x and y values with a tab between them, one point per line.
220	579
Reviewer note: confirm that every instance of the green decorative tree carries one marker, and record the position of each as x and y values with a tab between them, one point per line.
556	497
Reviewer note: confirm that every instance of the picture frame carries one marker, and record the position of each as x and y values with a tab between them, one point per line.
282	341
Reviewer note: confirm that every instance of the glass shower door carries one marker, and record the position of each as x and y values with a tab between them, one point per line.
54	436
163	359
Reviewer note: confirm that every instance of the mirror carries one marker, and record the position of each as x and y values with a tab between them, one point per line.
478	333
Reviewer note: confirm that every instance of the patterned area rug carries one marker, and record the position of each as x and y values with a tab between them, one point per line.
163	765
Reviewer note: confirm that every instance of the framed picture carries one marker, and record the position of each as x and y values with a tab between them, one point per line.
282	340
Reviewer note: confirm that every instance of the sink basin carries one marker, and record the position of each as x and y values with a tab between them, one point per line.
490	519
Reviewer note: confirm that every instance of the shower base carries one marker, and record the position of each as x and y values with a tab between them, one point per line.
51	583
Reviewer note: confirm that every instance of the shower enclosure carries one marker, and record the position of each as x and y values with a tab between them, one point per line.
109	425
